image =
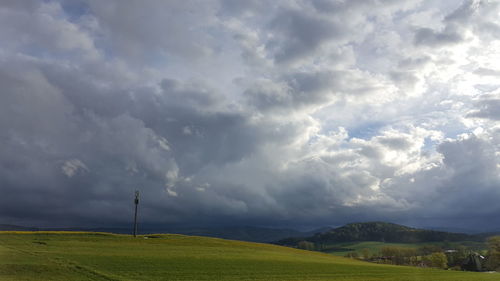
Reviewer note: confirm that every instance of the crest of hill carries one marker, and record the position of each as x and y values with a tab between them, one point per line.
10	227
380	231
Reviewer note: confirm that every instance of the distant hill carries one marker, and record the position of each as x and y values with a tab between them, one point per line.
380	231
371	231
10	227
243	233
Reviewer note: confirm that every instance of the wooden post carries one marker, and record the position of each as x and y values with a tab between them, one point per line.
136	201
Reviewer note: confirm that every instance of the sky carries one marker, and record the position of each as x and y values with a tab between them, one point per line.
266	113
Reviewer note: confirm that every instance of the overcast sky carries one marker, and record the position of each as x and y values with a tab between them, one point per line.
275	113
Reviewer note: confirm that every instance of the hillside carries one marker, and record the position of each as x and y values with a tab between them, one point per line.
380	231
243	233
11	227
100	256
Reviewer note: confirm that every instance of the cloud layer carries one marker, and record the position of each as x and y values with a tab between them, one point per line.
298	113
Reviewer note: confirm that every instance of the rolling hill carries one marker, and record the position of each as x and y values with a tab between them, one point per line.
11	227
382	232
243	233
101	256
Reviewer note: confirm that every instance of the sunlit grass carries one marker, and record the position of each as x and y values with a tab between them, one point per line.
58	232
98	256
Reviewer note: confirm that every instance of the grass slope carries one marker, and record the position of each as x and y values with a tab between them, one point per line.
98	256
372	246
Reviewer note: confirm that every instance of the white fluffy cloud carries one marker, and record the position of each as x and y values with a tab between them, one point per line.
265	112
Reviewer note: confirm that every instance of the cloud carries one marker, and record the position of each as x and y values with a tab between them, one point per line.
45	30
153	28
310	91
487	72
429	37
284	113
472	15
299	34
487	107
73	166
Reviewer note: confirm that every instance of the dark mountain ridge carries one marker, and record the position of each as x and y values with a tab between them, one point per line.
11	227
369	231
380	231
243	233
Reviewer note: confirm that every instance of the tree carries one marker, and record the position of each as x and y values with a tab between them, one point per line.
352	255
365	252
493	262
389	251
399	255
305	245
429	249
437	260
494	243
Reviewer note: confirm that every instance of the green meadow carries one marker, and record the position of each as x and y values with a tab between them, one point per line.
341	249
372	246
100	256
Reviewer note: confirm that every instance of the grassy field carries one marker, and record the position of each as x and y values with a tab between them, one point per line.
97	256
374	247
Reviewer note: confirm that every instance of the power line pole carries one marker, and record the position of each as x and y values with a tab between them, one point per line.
136	201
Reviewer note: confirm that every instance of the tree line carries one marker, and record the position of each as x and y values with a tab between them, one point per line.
434	256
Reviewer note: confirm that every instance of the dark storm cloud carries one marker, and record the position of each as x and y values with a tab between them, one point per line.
298	34
143	30
81	149
471	181
24	5
198	135
62	161
243	112
238	8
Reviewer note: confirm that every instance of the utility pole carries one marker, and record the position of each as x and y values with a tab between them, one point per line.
136	201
